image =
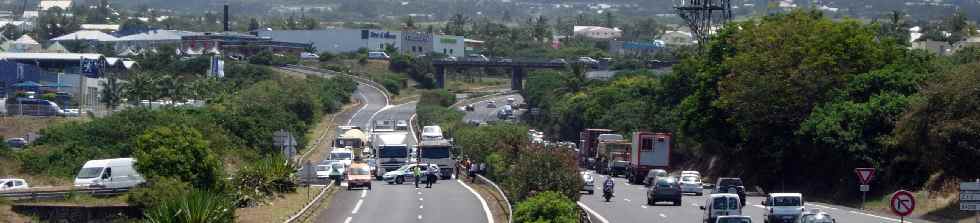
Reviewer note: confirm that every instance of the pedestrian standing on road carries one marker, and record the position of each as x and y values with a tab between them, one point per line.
430	177
418	174
473	168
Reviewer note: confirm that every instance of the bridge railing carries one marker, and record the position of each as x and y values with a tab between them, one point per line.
60	194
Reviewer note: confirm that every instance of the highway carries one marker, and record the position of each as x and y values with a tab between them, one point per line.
629	205
482	113
447	201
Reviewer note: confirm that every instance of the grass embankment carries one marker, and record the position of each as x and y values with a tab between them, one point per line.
937	201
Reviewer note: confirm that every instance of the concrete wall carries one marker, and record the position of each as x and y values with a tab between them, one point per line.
77	213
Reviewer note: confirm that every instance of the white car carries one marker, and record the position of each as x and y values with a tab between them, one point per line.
491	104
589	185
691	172
783	207
333	170
13	184
691	183
406	173
734	219
432	132
721	205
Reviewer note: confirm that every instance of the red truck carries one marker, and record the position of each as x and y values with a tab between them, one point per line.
649	151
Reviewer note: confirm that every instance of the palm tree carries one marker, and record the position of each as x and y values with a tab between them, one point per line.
112	92
141	86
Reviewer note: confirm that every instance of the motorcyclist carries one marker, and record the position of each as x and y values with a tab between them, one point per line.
607	187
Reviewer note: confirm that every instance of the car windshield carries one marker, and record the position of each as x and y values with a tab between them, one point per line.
785	201
360	171
735	220
340	156
89	172
405	167
689	179
725	203
322	168
337	165
730	182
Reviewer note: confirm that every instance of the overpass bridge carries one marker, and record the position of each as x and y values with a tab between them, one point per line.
518	68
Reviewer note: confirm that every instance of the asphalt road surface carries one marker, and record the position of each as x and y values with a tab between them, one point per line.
629	205
481	113
446	201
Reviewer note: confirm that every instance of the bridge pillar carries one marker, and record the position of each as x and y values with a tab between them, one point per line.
517	78
440	77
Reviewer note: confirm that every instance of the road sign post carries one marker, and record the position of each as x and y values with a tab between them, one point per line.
970	197
902	204
864	176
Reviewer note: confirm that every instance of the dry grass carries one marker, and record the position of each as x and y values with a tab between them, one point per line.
279	209
8	215
498	207
939	202
21	125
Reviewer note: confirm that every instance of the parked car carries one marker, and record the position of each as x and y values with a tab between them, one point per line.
652	175
13	184
731	185
491	104
817	216
16	143
559	60
734	219
691	183
109	173
406	173
587	60
469	107
359	175
378	56
665	189
722	204
589	185
783	207
477	57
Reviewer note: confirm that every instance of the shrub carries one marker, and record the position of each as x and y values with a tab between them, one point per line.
179	152
326	56
546	207
156	191
194	206
262	179
391	86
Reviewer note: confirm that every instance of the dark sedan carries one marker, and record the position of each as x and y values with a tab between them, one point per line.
665	189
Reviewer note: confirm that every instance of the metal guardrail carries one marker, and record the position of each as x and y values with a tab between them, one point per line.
510	209
307	207
60	194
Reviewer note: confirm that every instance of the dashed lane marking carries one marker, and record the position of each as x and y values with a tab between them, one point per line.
759	206
879	217
420	206
348	219
643	206
420	217
357	207
627	200
363	193
662	215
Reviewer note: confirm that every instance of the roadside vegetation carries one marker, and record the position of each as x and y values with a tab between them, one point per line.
188	153
791	102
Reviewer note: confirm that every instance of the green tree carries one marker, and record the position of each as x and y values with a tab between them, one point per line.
457	24
112	92
141	86
409	22
179	152
546	207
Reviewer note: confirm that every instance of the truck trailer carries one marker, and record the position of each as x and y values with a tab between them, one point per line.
649	151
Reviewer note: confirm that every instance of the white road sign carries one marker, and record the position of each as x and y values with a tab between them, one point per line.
974	186
865	188
971	206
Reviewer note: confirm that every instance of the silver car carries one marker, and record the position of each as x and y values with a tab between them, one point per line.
589	185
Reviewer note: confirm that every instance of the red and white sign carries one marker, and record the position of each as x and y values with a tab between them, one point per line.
902	203
865	174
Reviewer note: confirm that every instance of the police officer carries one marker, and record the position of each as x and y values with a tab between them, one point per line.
418	174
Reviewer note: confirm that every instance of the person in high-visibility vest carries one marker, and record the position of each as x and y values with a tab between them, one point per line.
418	174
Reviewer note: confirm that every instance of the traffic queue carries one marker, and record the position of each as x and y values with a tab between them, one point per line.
645	161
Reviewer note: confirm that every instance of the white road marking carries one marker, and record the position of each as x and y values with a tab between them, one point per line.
420	206
420	192
357	207
486	209
363	193
592	212
348	219
695	205
627	200
759	206
420	217
643	206
366	104
420	199
662	215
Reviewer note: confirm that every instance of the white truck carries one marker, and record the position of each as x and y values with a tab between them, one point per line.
109	173
438	152
343	155
391	150
355	139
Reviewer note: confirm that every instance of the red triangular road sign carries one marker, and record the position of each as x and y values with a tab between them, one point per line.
865	174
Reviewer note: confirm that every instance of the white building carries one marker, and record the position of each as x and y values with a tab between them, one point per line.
449	45
149	40
341	40
597	32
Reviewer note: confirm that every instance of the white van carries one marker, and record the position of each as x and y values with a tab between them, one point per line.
109	173
721	205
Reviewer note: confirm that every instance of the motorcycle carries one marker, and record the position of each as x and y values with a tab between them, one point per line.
607	194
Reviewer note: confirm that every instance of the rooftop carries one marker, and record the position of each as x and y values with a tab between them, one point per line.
112	27
85	35
48	56
157	35
44	5
593	29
